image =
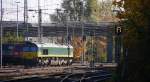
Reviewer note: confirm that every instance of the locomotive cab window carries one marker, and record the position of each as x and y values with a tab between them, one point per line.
45	51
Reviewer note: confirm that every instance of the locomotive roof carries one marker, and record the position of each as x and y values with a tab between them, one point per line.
41	44
52	45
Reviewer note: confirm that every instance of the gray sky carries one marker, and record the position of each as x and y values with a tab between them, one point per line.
10	9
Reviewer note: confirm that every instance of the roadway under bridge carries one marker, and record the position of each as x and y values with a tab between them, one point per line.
60	29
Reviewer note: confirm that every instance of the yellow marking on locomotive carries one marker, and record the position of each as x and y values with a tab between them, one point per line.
29	55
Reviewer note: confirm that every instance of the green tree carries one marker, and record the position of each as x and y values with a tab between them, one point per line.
88	10
73	8
92	11
98	10
10	37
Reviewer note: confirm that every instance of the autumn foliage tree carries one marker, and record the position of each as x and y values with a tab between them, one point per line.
78	47
136	39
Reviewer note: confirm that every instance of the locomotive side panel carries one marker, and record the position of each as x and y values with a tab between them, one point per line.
7	53
30	52
55	52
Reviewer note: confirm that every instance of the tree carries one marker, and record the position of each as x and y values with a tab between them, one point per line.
92	11
54	18
87	10
10	37
78	47
136	38
74	9
98	10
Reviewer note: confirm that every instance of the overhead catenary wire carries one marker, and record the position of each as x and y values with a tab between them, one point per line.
10	10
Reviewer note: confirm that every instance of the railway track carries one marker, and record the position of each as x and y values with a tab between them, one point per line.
97	76
78	74
21	73
44	78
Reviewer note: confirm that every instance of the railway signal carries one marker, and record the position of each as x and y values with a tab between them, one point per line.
118	47
118	30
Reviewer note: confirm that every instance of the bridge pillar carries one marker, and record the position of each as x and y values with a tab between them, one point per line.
109	47
118	48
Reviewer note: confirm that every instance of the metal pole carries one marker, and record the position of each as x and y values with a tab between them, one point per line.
40	25
67	35
83	53
1	35
39	21
26	17
93	47
17	19
92	52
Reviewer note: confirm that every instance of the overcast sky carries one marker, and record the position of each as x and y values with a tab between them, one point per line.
10	9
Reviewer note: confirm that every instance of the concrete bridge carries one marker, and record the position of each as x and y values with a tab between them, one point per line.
58	29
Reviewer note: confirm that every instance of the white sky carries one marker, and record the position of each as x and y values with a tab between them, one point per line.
10	9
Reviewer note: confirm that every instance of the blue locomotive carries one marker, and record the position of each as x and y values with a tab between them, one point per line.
29	53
